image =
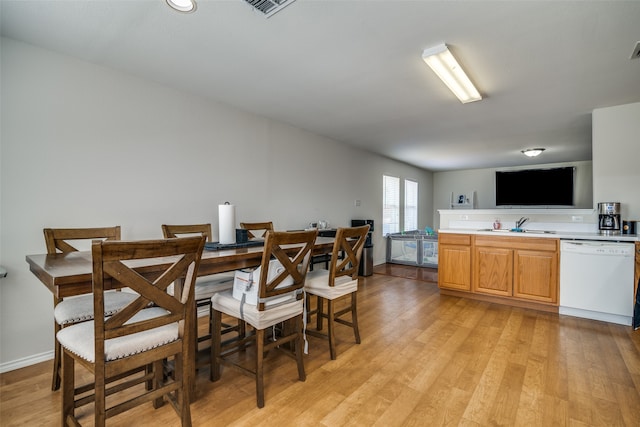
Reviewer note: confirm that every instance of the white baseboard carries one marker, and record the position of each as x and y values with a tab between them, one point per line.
595	315
26	361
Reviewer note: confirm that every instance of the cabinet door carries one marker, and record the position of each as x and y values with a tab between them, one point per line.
535	275
493	273
454	267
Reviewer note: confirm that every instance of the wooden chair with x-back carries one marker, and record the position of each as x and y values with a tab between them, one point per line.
72	310
206	286
278	298
340	281
152	328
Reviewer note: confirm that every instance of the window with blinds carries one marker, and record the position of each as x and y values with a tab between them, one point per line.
391	205
410	205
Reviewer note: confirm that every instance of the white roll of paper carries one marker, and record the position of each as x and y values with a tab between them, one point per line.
227	223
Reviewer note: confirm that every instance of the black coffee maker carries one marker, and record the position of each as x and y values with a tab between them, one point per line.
609	217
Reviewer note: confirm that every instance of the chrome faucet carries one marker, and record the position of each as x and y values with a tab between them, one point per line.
522	221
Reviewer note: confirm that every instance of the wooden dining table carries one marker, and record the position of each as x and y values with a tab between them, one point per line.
69	274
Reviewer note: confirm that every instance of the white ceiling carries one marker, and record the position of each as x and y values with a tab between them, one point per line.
352	70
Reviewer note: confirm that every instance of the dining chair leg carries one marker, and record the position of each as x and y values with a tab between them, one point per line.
148	371
100	399
57	359
330	328
183	394
320	312
299	346
157	381
259	367
242	329
216	338
354	318
68	388
195	335
57	352
307	304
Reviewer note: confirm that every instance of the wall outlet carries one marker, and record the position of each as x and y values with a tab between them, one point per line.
464	217
356	202
576	218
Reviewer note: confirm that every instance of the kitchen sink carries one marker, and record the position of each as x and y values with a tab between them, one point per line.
506	230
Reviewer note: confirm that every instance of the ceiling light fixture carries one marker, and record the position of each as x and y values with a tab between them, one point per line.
532	152
186	6
451	73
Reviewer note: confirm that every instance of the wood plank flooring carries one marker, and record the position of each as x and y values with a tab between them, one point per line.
424	359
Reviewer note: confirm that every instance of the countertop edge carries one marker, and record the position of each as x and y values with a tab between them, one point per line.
556	235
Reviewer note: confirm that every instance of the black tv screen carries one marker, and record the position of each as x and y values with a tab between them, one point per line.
535	187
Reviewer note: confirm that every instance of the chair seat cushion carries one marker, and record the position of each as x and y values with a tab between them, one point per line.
317	283
80	309
79	338
276	313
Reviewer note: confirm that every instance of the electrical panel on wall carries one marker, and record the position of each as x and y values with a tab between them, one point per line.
463	200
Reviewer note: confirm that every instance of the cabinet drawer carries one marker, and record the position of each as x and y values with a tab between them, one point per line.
454	239
531	243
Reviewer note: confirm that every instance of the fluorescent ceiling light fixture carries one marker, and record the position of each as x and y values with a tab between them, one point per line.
186	6
532	152
451	73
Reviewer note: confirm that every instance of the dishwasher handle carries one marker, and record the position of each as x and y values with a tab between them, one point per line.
598	248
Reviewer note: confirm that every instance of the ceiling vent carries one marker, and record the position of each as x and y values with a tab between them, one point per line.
269	7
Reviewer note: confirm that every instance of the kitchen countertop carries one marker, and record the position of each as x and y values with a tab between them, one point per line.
566	235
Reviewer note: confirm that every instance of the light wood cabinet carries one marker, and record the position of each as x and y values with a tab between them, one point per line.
535	275
520	267
493	271
454	261
504	267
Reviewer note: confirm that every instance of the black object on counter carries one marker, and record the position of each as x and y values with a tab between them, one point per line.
628	227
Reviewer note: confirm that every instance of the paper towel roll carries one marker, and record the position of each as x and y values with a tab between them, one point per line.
227	223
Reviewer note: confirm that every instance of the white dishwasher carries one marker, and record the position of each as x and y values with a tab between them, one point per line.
596	280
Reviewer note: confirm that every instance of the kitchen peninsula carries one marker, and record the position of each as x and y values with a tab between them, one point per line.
516	268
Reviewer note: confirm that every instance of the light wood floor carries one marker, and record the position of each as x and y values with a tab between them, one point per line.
424	359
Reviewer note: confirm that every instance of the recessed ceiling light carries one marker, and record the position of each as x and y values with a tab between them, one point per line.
532	152
186	6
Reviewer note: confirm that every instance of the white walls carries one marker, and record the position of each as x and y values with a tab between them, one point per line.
616	157
82	145
482	181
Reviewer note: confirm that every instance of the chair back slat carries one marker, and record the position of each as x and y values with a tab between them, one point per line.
110	261
187	229
257	226
57	239
293	250
350	241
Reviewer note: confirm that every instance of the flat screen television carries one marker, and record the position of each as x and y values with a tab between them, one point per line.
535	187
